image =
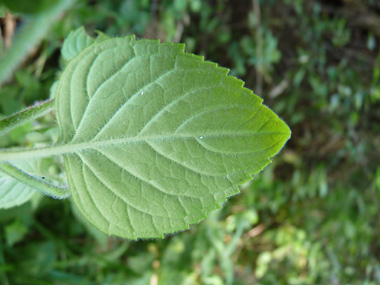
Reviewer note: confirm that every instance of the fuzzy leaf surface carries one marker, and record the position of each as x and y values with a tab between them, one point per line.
156	138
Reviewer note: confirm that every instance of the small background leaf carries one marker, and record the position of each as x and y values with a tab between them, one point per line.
75	42
15	232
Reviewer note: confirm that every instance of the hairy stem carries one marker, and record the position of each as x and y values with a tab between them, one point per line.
13	154
28	114
31	33
40	185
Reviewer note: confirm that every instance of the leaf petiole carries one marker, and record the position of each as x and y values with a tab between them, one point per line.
40	185
28	114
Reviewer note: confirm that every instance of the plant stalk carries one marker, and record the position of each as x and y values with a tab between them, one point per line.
14	154
38	184
28	114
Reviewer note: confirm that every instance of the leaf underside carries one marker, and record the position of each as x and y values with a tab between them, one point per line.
75	42
156	137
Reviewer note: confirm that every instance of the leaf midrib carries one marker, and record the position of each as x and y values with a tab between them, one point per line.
67	148
143	139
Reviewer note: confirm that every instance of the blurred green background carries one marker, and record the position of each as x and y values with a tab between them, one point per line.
311	217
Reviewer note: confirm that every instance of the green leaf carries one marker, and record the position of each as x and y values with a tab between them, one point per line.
154	138
75	42
13	192
15	232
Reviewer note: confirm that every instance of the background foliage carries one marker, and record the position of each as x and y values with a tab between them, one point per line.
312	217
